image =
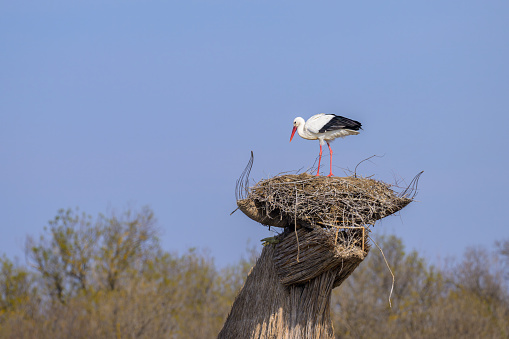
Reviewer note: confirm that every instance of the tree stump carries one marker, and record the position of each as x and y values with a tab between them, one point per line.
287	293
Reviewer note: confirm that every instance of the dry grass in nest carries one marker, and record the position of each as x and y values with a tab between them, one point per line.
312	201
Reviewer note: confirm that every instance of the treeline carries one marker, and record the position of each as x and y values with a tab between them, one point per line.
108	277
464	299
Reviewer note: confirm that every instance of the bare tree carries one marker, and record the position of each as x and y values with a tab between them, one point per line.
126	241
64	255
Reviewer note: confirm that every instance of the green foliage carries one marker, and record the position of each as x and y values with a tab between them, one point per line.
78	256
126	243
467	300
64	255
108	278
15	286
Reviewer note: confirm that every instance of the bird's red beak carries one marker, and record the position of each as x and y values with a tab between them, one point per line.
293	132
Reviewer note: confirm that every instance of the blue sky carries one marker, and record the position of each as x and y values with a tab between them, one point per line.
106	104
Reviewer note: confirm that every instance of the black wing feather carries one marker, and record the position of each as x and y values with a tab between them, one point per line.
339	122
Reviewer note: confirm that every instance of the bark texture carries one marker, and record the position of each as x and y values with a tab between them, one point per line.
286	296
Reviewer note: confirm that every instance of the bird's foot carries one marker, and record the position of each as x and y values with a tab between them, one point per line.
330	175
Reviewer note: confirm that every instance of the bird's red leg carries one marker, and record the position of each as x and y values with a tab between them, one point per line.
330	150
319	159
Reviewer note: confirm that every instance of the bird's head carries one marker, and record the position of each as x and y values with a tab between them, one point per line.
296	124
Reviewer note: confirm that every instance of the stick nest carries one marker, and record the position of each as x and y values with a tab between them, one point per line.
309	201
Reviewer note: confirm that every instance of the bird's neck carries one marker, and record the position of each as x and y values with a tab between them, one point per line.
303	132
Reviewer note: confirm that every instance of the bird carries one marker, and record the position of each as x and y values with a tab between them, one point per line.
325	128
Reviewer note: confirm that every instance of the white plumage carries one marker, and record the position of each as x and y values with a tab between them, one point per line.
325	128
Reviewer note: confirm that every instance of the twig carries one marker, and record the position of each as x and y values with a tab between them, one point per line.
242	184
363	237
392	287
411	190
355	169
295	225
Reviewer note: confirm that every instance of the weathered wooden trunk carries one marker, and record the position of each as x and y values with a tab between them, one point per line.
287	293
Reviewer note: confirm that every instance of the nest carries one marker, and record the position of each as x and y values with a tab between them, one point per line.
310	201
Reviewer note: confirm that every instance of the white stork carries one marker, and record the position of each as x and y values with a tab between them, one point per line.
325	128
